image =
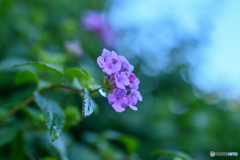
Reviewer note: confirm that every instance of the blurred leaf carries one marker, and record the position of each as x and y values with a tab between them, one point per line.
79	151
17	148
69	26
61	146
88	77
131	144
53	115
88	106
57	58
3	111
43	84
169	153
7	63
48	158
24	77
56	69
73	116
32	113
76	83
7	133
82	75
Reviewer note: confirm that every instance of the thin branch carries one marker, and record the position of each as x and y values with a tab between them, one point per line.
24	103
95	90
16	108
71	88
30	99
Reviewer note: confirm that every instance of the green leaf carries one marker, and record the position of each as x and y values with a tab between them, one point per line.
88	76
53	115
24	77
88	104
43	84
56	69
17	148
73	116
7	134
169	153
81	151
56	58
61	146
48	158
83	76
130	143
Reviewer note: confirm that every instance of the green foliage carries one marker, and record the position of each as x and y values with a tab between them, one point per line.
17	148
83	76
48	158
80	151
73	116
53	115
24	77
174	114
175	154
131	144
56	69
10	131
89	105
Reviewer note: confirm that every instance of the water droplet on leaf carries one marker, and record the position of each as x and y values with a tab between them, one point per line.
103	92
55	132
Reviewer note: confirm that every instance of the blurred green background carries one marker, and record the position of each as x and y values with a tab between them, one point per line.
173	115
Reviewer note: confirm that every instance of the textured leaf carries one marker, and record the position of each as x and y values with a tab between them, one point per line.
88	104
56	69
176	154
24	77
53	115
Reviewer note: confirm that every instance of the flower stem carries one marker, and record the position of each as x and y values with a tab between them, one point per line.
30	99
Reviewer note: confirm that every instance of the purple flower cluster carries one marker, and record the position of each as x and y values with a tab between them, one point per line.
121	82
94	21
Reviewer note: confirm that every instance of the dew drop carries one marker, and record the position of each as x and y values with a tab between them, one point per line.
54	132
103	92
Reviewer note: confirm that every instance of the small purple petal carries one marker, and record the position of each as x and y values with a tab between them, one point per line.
111	99
133	107
106	53
116	67
121	80
114	55
100	61
125	101
125	64
119	92
135	84
118	108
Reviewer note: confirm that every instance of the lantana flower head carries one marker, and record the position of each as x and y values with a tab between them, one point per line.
120	83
